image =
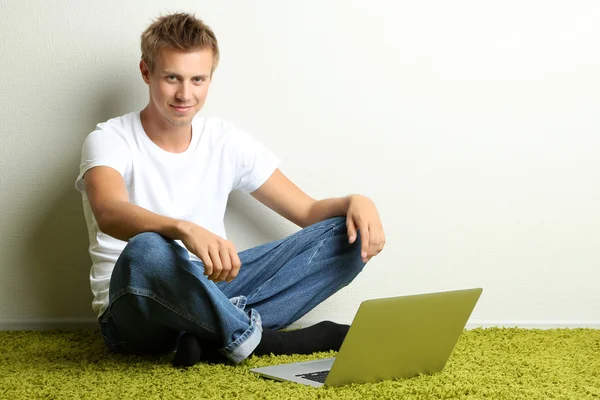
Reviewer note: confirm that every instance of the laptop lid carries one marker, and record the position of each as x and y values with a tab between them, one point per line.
401	337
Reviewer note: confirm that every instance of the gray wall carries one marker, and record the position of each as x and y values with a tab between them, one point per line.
473	125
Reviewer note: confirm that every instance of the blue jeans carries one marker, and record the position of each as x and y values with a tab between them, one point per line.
157	292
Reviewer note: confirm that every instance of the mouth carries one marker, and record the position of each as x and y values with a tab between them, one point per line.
182	109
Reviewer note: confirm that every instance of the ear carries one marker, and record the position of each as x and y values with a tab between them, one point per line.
145	71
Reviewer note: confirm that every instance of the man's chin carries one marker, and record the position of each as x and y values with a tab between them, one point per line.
180	122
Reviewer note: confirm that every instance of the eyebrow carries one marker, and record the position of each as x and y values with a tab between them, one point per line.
165	72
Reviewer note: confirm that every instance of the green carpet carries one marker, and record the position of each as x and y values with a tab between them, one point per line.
486	364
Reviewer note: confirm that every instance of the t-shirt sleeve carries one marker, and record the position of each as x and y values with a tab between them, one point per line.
254	162
102	148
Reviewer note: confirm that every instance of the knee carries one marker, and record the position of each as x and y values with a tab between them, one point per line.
337	221
333	222
350	266
355	262
147	252
350	253
147	239
145	246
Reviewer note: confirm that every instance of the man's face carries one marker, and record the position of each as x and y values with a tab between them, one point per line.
179	83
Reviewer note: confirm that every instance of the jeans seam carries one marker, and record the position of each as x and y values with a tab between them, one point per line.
316	251
107	340
257	291
332	228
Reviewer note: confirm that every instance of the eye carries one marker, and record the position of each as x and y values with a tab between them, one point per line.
171	77
199	79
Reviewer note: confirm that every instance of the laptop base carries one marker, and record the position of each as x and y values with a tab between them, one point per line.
290	372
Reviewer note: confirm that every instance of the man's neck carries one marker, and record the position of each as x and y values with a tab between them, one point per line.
171	138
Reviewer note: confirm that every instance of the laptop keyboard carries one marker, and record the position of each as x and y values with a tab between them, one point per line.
319	376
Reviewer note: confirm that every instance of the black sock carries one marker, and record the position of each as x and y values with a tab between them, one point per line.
323	336
191	350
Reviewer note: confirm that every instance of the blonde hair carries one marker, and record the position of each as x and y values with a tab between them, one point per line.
178	31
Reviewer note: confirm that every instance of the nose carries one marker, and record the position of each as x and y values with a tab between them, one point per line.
184	92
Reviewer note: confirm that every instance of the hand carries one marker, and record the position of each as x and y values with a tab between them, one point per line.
362	214
220	259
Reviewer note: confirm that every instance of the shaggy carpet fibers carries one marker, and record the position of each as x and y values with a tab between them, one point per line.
490	363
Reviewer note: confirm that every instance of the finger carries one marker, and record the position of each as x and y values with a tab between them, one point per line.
208	265
225	262
364	237
375	242
217	266
378	244
381	245
351	230
236	264
380	241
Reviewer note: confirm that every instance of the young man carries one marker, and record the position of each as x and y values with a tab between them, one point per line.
155	185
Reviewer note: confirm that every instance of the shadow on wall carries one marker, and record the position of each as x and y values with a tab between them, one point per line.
117	101
54	244
57	260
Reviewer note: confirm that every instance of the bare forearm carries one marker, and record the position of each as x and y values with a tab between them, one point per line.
327	208
123	220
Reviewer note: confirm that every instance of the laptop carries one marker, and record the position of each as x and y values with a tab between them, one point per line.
390	338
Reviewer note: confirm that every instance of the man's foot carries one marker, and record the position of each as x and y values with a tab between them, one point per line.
191	350
324	336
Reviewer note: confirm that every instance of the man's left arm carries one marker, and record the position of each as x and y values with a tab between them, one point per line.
288	200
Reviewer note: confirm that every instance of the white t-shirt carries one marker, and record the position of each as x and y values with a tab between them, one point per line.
193	185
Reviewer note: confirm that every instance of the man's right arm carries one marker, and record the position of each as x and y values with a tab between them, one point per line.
116	216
